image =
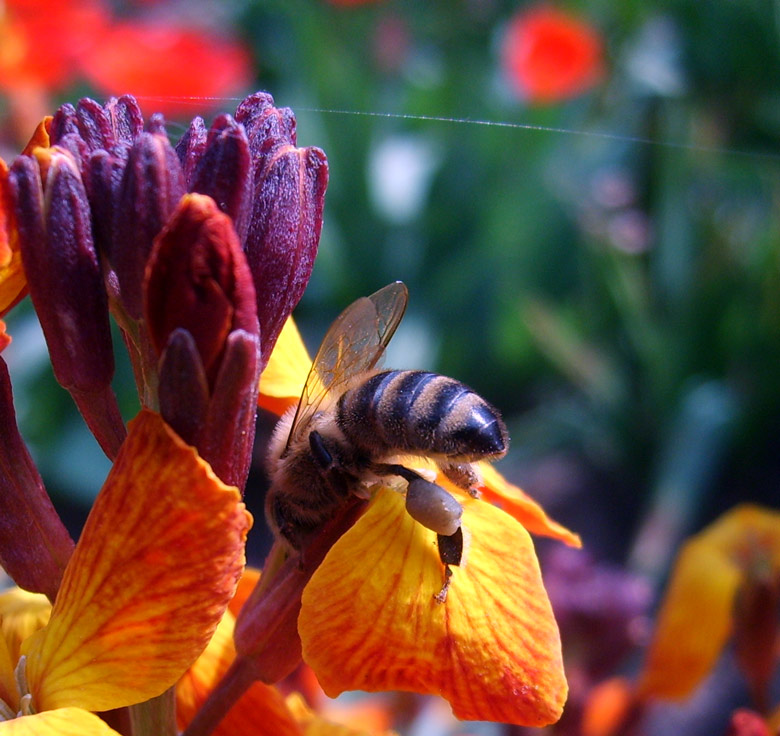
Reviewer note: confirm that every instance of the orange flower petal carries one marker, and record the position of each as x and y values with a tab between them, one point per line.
21	615
62	722
499	491
283	378
154	569
249	579
706	576
608	708
369	620
9	692
40	137
12	278
5	338
260	704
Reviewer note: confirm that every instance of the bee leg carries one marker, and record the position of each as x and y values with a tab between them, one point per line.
463	475
319	452
450	553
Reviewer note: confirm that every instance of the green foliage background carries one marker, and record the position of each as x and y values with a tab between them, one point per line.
605	270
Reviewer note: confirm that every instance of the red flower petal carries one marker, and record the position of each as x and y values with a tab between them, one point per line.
164	62
549	55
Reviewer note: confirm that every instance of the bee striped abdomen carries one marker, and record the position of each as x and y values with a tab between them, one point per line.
418	411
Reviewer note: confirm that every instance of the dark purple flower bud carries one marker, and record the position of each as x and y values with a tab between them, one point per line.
284	233
267	127
103	179
229	430
66	286
288	196
190	149
223	171
34	544
152	185
183	388
65	122
126	119
198	282
116	124
95	125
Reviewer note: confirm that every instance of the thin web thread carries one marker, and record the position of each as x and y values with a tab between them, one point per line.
604	135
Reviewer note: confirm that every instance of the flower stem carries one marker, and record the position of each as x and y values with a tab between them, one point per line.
155	717
230	688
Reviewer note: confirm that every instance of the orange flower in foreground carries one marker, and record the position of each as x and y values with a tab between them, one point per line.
369	620
549	55
720	576
151	576
164	62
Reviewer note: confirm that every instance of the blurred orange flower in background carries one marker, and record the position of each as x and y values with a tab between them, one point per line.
46	45
549	55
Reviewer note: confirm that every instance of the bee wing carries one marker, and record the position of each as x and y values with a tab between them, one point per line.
353	344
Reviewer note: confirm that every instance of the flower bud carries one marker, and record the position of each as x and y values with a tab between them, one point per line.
289	190
110	127
223	171
198	283
66	286
34	544
190	149
152	185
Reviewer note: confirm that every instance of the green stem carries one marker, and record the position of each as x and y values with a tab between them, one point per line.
155	717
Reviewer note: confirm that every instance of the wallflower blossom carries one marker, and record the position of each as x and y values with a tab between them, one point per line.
731	570
151	576
368	619
725	585
549	55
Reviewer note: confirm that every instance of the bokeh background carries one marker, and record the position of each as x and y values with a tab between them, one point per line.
582	198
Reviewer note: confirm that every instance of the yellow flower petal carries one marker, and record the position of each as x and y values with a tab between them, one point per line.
152	574
249	579
9	692
522	507
21	615
282	381
260	704
62	722
369	620
705	579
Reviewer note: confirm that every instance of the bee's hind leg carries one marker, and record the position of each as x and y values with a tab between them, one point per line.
463	475
450	553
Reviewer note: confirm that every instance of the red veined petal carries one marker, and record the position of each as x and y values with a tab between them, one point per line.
152	574
369	620
499	491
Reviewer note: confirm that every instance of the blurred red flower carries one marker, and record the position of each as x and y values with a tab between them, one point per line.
166	63
42	41
549	55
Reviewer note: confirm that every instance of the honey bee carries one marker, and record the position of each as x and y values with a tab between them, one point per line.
354	420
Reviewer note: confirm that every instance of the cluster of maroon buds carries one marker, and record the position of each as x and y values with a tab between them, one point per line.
200	252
